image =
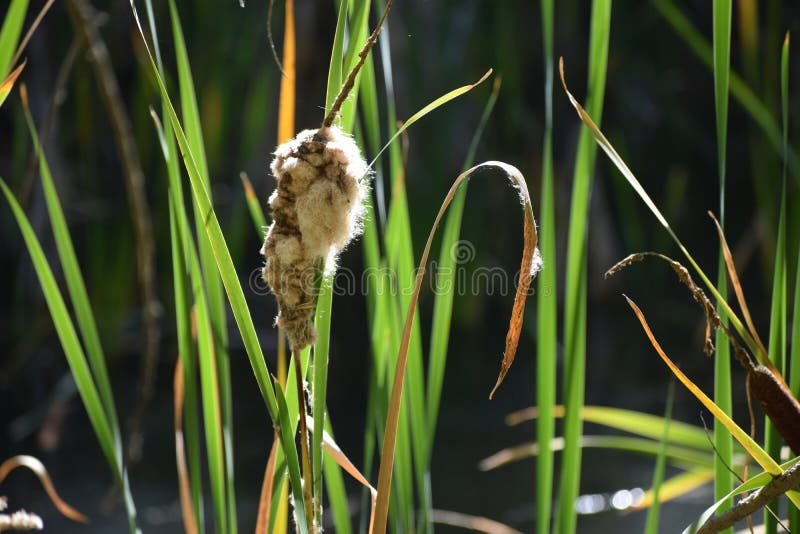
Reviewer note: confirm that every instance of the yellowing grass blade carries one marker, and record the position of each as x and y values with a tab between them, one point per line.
677	486
752	448
184	487
286	103
8	83
471	522
442	100
333	450
265	500
531	262
737	288
41	472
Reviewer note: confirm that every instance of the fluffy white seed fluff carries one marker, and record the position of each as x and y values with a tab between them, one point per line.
316	208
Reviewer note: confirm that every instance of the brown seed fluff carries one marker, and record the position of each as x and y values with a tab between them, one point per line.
316	208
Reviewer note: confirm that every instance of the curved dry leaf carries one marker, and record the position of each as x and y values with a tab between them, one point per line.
8	84
471	522
39	470
530	265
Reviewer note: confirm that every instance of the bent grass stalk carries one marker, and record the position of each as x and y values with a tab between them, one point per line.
531	262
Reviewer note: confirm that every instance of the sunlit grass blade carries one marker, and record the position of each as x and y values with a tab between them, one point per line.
445	278
8	83
642	424
685	456
253	205
529	266
546	294
337	56
336	490
751	484
651	526
105	432
442	100
618	162
576	272
723	478
227	272
10	32
38	469
676	486
753	449
72	273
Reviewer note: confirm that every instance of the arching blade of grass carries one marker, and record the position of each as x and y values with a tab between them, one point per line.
337	55
743	94
642	424
753	449
106	434
233	288
575	281
651	526
723	478
531	261
618	162
546	295
749	485
10	32
75	283
446	278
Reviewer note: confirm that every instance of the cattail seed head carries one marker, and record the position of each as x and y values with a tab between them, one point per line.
317	208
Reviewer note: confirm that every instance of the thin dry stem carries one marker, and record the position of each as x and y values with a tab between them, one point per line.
351	78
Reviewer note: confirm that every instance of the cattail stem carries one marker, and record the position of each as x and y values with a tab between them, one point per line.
351	78
307	475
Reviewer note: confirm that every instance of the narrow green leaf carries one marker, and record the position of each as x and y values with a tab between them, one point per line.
75	284
575	282
254	206
10	33
723	478
337	53
651	526
546	295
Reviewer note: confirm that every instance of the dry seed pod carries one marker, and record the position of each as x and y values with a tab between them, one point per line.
316	210
778	403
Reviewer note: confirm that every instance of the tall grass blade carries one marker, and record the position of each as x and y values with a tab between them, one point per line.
254	205
723	478
575	282
72	274
546	295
